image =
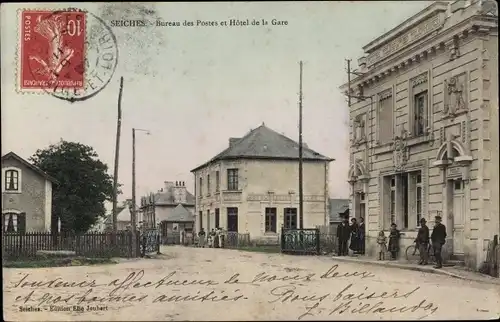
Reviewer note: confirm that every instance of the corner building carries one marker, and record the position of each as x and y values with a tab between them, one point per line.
424	129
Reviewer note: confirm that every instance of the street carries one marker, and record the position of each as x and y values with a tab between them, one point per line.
220	284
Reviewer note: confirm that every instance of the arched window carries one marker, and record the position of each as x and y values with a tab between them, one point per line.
13	222
11	180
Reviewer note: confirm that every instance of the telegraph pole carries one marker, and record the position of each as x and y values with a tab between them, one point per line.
301	191
117	154
133	213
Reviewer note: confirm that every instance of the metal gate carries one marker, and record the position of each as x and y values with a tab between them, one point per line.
150	241
300	241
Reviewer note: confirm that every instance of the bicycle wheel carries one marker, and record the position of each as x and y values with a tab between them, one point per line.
412	254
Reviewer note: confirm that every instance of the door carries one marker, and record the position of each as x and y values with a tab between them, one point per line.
458	217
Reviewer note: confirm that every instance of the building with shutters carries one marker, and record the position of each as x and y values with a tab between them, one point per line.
424	128
26	196
253	187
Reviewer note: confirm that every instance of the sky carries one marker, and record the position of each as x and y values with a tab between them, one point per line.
194	87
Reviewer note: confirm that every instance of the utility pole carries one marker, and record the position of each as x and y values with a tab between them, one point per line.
117	155
301	191
133	213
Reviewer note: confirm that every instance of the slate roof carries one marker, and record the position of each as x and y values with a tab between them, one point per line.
337	207
29	165
264	143
180	214
166	198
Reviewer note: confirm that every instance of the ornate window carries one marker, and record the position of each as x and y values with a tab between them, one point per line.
385	117
420	120
420	106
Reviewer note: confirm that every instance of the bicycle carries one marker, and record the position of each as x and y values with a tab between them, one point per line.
413	254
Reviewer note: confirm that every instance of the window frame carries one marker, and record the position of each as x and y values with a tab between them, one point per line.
420	128
208	185
18	179
201	186
232	179
385	97
217	181
290	213
270	220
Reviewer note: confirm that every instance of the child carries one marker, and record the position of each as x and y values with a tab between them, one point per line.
394	236
382	244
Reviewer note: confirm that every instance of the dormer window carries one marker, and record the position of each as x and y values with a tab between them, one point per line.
11	180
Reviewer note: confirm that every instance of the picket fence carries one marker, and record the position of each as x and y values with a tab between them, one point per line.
93	244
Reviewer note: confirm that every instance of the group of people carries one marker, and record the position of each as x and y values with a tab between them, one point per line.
215	238
355	233
437	238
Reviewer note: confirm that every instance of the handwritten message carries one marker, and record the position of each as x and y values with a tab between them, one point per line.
347	292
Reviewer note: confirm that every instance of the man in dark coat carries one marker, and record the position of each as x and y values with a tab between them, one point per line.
438	238
343	234
362	235
422	242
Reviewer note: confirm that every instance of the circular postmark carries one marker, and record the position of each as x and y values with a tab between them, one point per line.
81	52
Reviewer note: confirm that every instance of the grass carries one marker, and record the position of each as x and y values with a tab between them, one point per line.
56	262
261	249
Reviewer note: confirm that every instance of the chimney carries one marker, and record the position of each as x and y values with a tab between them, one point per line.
180	193
168	185
232	141
304	145
362	64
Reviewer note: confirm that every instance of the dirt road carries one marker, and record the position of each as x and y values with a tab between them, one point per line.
219	284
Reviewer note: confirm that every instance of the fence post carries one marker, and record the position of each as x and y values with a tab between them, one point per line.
317	241
158	243
282	240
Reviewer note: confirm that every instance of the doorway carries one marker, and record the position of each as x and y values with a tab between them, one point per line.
458	216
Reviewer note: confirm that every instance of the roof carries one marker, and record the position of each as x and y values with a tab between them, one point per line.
180	214
264	143
124	215
166	198
12	155
337	207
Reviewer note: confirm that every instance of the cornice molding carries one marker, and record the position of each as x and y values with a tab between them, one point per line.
476	25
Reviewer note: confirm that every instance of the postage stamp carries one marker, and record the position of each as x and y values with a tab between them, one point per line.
52	49
70	54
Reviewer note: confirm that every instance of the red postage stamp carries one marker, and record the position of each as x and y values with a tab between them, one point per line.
52	49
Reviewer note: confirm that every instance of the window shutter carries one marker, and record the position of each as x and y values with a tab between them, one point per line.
21	222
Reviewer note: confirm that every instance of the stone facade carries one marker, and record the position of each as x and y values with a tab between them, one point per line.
264	188
27	199
424	128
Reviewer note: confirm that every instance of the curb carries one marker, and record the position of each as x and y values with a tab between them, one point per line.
413	268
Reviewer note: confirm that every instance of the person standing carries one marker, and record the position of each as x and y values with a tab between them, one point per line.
394	236
422	242
343	234
201	235
438	238
362	235
354	236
